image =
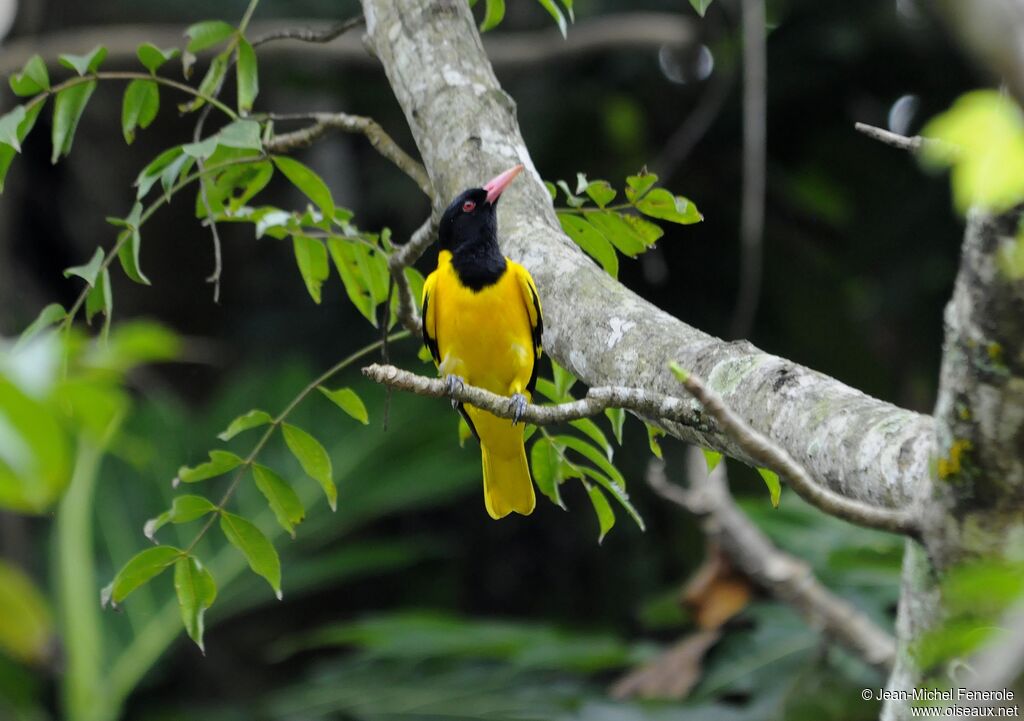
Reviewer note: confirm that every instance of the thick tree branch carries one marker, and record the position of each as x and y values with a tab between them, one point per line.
784	576
466	130
768	455
324	123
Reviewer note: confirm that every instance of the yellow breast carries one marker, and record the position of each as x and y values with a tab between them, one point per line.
483	336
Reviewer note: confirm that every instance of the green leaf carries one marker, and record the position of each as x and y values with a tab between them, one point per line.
207	34
605	514
564	381
347	259
701	6
590	429
568	7
593	455
313	459
601	192
33	78
552	191
253	419
141	104
617	492
553	10
7	150
241	134
152	57
637	185
67	111
220	463
771	479
544	461
183	510
258	551
308	182
210	83
130	241
494	15
247	76
283	500
50	315
659	203
711	458
85	64
152	173
624	233
9	124
90	270
100	298
311	257
652	439
142	568
617	417
196	591
981	137
591	241
349	401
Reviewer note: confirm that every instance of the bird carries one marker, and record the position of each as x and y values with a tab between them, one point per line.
482	323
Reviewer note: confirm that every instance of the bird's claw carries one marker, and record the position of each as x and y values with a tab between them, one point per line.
452	385
517	404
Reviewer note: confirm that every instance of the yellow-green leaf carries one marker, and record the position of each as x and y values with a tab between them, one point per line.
247	76
605	514
283	500
349	401
311	257
771	479
314	460
220	463
311	184
141	569
253	419
196	591
26	623
258	551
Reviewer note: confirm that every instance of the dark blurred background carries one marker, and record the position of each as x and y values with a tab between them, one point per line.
860	254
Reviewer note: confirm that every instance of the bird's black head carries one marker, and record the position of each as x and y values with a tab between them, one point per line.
469	230
469	220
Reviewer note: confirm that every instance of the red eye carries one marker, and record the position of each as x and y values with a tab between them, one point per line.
468	207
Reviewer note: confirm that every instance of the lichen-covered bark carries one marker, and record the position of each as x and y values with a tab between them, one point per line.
466	129
974	505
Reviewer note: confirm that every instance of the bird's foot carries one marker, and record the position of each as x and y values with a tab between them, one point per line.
517	404
452	385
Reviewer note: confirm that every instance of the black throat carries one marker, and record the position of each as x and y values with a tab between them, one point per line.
479	264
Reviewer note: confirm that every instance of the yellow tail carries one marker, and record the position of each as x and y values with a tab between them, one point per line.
507	483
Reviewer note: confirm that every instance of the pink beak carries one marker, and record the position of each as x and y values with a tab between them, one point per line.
497	186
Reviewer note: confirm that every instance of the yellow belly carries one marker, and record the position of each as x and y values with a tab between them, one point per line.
485	336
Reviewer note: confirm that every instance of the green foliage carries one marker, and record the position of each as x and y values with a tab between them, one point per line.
247	421
196	591
314	460
141	569
981	139
220	462
87	64
67	112
602	230
140	107
283	500
32	79
259	552
153	58
771	479
349	401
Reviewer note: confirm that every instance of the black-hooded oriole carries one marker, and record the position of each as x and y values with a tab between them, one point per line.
482	324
